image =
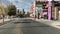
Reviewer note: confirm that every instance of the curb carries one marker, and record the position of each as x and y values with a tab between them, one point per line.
5	22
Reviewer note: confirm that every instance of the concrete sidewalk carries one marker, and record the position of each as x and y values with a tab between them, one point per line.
5	21
49	22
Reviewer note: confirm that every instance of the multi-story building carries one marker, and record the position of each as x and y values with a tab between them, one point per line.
55	10
47	9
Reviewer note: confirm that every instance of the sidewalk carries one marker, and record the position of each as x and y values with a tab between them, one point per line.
5	21
49	22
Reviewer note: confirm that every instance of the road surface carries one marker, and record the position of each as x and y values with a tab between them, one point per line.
27	26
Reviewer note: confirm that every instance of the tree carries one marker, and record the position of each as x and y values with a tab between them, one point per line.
2	9
21	15
28	14
12	10
6	10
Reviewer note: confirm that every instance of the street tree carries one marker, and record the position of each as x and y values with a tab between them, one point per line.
12	10
28	14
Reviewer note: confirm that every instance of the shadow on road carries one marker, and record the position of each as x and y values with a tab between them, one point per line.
24	21
34	27
28	26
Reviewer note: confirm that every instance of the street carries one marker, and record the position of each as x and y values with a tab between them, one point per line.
27	26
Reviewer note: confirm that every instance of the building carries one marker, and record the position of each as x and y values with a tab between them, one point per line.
39	11
32	10
55	10
47	9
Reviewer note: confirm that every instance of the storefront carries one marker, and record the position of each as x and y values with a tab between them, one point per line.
50	10
55	10
42	10
47	9
59	10
39	9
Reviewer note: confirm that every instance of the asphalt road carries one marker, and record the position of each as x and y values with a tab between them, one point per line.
27	26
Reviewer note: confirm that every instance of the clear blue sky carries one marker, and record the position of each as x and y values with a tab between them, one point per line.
21	4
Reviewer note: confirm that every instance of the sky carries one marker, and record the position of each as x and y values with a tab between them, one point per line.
23	4
20	4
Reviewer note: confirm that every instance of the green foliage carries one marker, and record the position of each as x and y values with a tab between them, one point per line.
11	13
12	10
28	14
20	15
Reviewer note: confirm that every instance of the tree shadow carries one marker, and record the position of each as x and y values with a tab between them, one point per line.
23	21
35	27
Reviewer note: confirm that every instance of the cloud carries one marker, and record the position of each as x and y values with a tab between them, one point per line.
20	1
23	4
15	1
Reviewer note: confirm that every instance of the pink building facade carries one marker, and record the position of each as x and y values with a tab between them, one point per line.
50	9
47	12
